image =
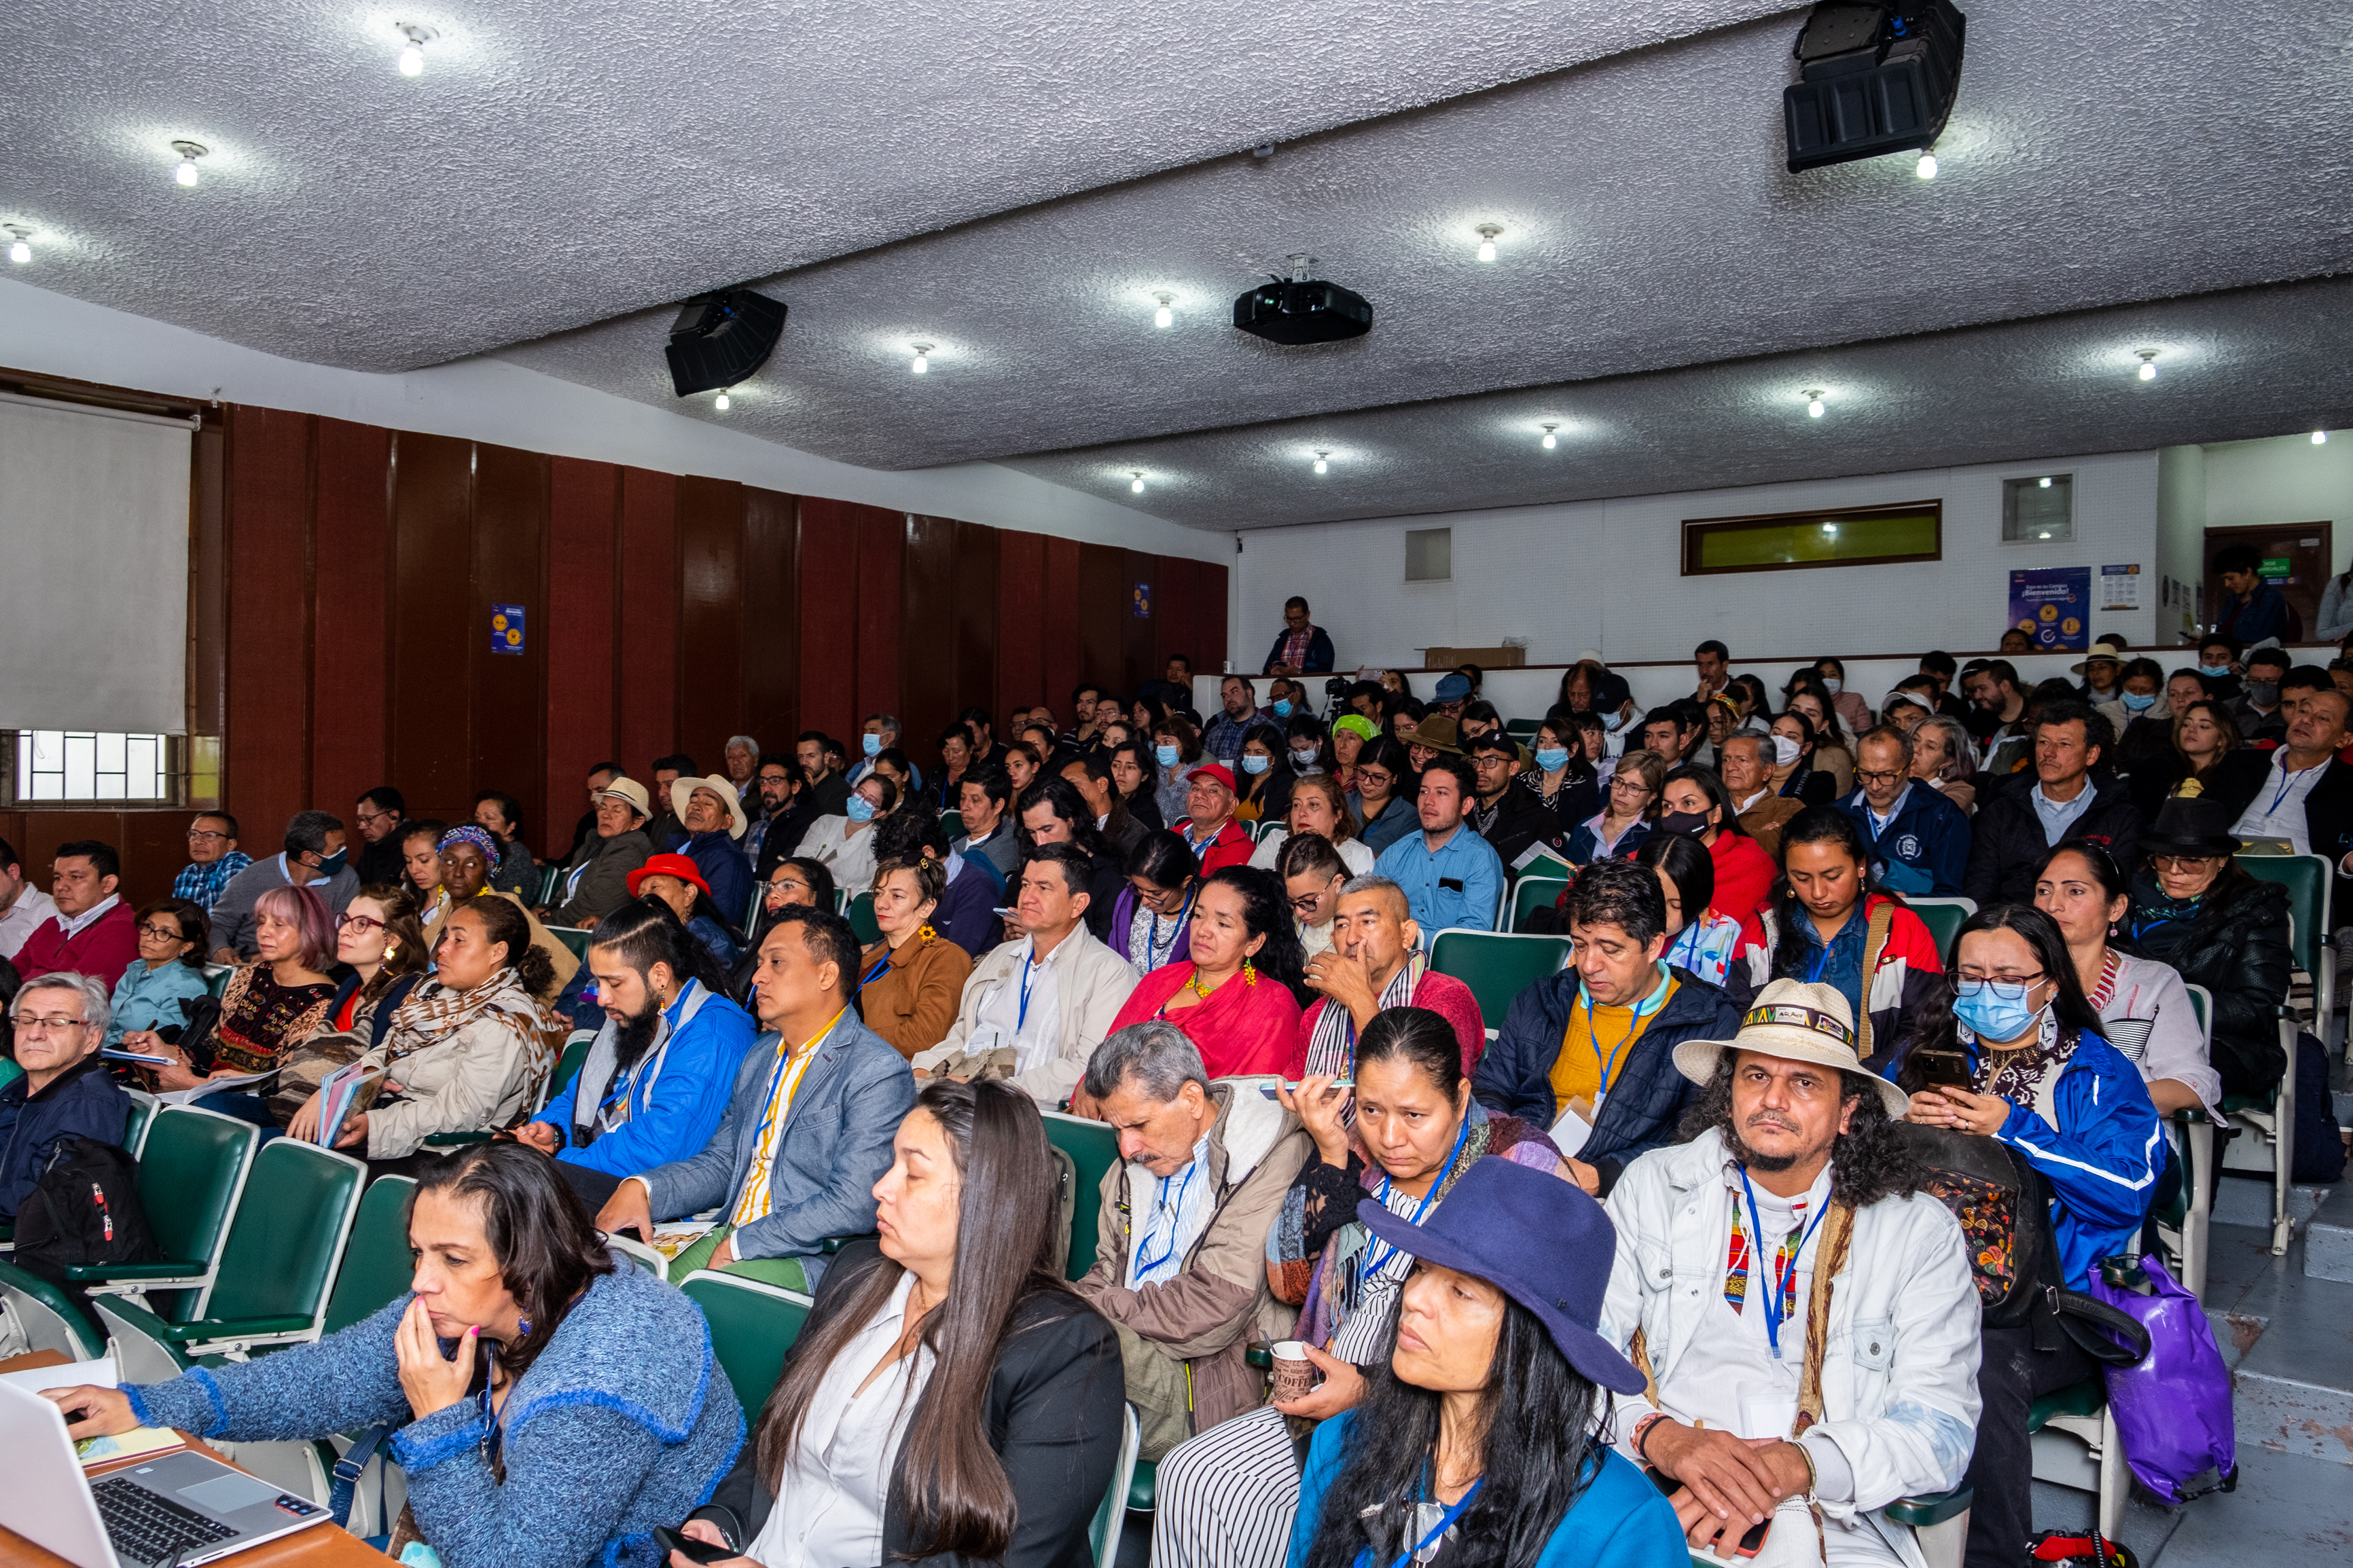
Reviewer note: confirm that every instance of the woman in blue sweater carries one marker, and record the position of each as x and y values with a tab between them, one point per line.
550	1410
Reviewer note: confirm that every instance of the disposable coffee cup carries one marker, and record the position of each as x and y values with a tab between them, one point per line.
1294	1374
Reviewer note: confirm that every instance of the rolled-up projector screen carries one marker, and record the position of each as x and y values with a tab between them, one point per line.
94	548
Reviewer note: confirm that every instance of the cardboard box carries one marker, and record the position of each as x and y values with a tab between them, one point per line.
1485	657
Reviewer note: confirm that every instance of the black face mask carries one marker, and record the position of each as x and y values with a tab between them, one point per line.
1689	824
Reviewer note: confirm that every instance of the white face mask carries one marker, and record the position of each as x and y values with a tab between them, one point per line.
1833	684
1613	722
1785	751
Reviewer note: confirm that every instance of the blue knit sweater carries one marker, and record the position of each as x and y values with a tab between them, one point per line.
622	1424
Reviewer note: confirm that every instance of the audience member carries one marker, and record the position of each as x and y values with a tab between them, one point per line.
1302	647
213	859
809	1124
1847	707
2203	733
1351	732
1939	667
1022	764
1631	809
60	1023
597	882
89	931
968	912
1236	993
420	861
312	853
2044	1084
466	852
1694	804
600	778
1134	772
779	822
1745	767
1034	1010
878	734
1091	773
2019	818
739	757
1754	702
1792	772
844	845
714	821
1379	801
2257	708
1313	874
2218	664
1210	829
1830	923
1997	716
1713	662
667	829
955	756
2140	715
1698	938
1317	806
793	882
1919	841
1053	812
1943	759
154	992
676	883
270	1005
1562	781
1180	1242
1262	788
1669	732
1798	1138
382	950
950	1351
1613	703
1451	876
378	816
655	1081
1832	753
23	907
2252	609
603	1373
816	751
500	815
1585	1052
909	979
2015	639
2302	791
1512	820
988	837
1239	714
1376	963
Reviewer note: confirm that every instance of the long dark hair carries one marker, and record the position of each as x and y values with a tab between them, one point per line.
504	922
547	1247
1538	1452
1418	1036
961	1503
1816	824
1054	790
1384	752
1266	909
1869	1161
1688	865
646	931
1710	785
193	924
1937	1030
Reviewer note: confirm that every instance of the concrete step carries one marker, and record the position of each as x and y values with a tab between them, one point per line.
2329	1237
2282	1333
2245	1198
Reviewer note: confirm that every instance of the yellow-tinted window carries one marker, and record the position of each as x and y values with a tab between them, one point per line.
1856	537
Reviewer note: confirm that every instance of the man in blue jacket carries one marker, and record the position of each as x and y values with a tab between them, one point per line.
1302	647
654	1084
1919	840
60	1020
809	1124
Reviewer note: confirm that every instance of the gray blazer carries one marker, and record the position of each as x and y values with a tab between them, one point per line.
835	1145
605	887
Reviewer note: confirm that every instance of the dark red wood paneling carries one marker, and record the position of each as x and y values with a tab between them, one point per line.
649	620
881	550
1102	605
829	629
351	594
711	617
1140	578
1021	629
268	725
511	499
1065	662
927	639
772	620
976	621
150	844
582	534
429	751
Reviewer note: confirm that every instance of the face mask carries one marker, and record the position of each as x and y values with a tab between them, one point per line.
1785	751
860	810
1282	709
1992	1010
2262	693
873	745
1552	758
1167	756
1304	759
1254	763
1833	684
333	863
2214	671
2140	701
1689	824
1613	722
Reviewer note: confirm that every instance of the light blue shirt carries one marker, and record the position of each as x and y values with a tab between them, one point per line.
1465	860
148	998
2058	816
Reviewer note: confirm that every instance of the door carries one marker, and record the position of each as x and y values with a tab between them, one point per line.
2295	562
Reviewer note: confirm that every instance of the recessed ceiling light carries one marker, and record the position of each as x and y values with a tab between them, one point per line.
1830	529
2148	363
1926	167
1814	405
1321	466
1487	233
2319	437
1549	443
1166	316
20	248
2044	483
921	365
412	52
1136	484
189	153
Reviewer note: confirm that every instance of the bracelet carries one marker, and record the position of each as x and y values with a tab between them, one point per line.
1642	1433
1813	1476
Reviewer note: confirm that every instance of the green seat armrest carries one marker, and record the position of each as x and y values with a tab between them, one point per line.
2192	1114
148	1323
1260	1353
833	1243
1921	1511
454	1140
1144	1487
208	1329
2234	1103
120	1273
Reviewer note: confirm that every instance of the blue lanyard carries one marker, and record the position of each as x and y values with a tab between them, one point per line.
2287	781
1642	1009
1144	1265
881	965
1388	1251
1445	1524
1777	1301
1022	1019
1153	939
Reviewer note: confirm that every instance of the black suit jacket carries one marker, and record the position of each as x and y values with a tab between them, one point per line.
1054	1412
2243	775
2007	842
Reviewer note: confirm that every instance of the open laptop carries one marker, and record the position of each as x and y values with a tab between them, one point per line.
181	1507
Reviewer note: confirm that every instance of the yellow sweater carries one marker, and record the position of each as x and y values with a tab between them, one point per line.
1578	1072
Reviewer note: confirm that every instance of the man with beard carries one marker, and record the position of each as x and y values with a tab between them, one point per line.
1997	715
656	1080
1796	1172
786	811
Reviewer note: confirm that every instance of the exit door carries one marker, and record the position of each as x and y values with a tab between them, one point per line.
2295	562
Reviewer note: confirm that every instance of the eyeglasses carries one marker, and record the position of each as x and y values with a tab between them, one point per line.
197	836
38	1023
363	922
1634	785
367	817
1878	776
1967	978
2182	862
163	933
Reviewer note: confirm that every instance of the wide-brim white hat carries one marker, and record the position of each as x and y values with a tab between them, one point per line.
1792	1021
681	790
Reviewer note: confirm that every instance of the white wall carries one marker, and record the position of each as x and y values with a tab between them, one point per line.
2180	536
2284	480
1606	574
489	400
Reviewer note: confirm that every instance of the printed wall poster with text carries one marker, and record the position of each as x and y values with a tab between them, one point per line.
2052	605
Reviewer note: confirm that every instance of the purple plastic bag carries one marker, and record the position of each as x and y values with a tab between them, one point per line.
2173	1409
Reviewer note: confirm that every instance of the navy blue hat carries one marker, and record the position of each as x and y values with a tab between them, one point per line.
1453	688
1535	1237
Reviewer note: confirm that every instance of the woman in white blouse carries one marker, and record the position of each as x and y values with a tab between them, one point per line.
844	845
949	1396
1317	806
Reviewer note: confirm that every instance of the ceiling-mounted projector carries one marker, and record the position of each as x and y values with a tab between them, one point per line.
1871	78
720	339
1303	311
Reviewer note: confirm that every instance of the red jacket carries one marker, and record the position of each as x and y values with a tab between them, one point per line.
1441	994
103	949
1744	875
1231	847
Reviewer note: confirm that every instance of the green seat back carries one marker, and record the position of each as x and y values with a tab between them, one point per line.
1522	729
751	1327
288	1232
134	1126
1496	966
551	878
572	937
2306	878
1144	1487
2082	1398
862	919
1532	893
9	1072
1093	1149
49	1321
216	980
2201	1003
1944	918
188	1178
952	824
376	1266
567	1065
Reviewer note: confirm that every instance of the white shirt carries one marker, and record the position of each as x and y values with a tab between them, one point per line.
1354	854
832	1492
32	910
88	916
1034	1032
2277	810
1177	1212
848	856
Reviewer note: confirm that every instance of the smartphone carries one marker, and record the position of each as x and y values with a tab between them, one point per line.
696	1551
1944	1069
1268	1089
1750	1544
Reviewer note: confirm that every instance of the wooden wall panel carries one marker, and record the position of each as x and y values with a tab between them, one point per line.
711	618
268	724
927	637
151	845
1137	634
647	620
771	619
828	628
429	752
1021	628
350	598
510	690
583	537
881	550
1065	664
976	557
207	609
1101	605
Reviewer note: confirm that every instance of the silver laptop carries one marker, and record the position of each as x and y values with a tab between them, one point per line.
177	1508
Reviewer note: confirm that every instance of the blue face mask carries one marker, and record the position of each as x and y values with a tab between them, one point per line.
1167	756
1282	709
1550	758
2214	671
1613	722
873	745
1994	1012
1304	759
860	810
2140	701
1254	763
333	863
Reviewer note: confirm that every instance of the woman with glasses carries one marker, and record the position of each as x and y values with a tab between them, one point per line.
1624	821
1317	806
1313	874
168	974
1149	920
1382	799
377	935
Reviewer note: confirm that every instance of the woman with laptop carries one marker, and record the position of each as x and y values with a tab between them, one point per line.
548	1408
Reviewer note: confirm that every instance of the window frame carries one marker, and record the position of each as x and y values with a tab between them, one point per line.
174	762
1697	529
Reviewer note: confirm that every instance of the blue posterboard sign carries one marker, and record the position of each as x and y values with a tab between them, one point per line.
506	629
1142	603
2051	605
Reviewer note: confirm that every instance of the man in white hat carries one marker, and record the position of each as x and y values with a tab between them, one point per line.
2102	670
713	815
1794	1214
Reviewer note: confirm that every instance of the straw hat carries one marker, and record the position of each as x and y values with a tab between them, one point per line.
1794	1021
681	790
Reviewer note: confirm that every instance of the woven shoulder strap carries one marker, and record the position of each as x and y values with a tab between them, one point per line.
1874	943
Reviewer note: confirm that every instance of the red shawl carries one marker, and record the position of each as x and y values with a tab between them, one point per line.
1245	1029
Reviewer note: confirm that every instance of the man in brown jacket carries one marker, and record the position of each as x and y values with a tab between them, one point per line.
1180	1247
1741	762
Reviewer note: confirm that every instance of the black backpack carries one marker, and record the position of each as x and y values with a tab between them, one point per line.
83	1208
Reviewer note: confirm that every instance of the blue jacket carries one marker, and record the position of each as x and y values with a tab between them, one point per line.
148	998
1619	1521
1319	652
720	861
625	1422
1925	851
1455	889
2262	613
834	1146
676	1096
967	913
80	1102
2104	1161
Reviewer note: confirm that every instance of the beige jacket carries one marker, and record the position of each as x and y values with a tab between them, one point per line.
1183	1341
476	1080
1091	983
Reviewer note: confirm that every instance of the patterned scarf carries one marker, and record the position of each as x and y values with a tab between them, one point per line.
434	1012
1332	1049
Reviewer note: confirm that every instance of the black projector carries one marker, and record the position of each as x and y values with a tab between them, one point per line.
1871	78
1301	310
719	340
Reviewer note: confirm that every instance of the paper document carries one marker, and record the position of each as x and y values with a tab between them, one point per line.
137	1443
1569	1133
99	1374
212	1086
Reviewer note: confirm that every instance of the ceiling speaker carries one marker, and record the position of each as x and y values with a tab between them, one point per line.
1871	78
719	340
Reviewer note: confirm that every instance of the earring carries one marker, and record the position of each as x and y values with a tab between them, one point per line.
391	948
1250	975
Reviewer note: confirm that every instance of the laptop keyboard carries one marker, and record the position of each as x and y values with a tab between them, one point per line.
147	1527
